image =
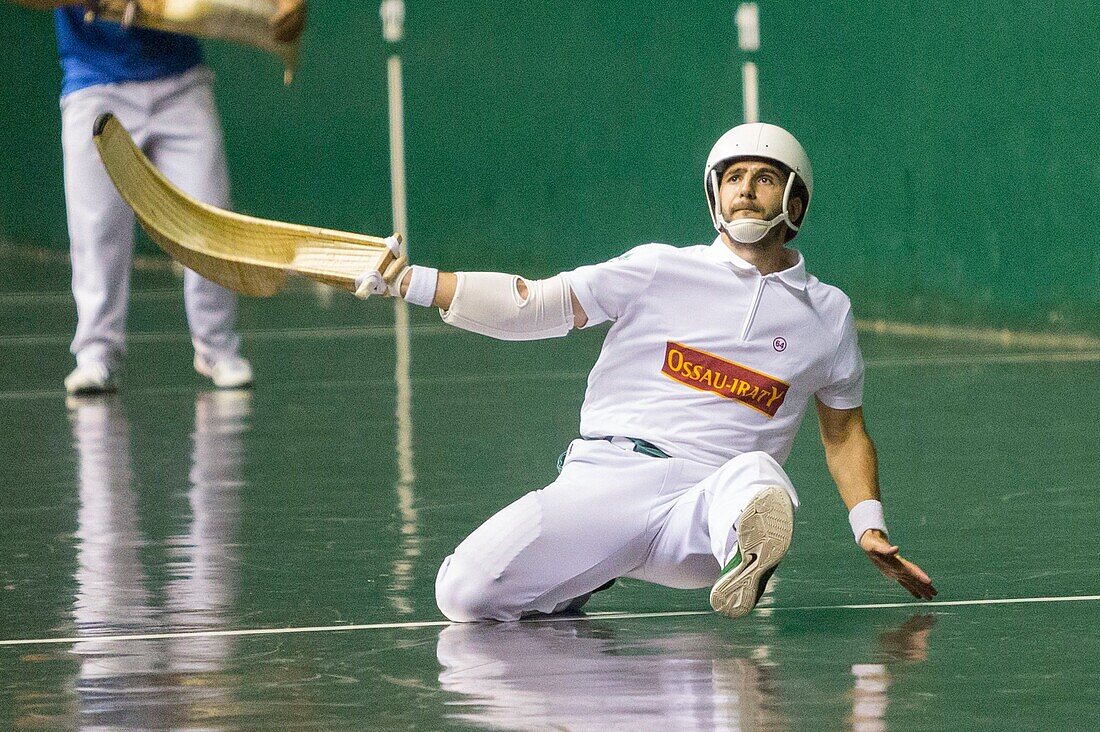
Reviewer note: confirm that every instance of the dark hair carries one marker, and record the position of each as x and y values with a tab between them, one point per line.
799	191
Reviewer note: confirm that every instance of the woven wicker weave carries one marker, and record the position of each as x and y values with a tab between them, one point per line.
244	254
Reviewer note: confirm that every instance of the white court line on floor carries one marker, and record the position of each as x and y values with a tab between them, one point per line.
322	384
66	297
361	332
981	359
579	618
985	359
991	336
267	334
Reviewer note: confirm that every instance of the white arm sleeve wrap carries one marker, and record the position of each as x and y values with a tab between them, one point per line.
489	303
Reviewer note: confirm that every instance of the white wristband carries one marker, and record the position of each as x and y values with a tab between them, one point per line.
866	515
421	285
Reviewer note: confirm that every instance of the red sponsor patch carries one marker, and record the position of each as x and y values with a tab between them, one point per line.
706	372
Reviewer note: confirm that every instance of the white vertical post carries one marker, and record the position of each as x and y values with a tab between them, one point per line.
397	149
748	38
393	29
750	86
392	13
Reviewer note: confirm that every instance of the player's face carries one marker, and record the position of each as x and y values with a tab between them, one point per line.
752	189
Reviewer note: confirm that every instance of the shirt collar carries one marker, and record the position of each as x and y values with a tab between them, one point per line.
794	276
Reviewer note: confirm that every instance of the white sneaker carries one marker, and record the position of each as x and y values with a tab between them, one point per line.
91	378
763	537
232	372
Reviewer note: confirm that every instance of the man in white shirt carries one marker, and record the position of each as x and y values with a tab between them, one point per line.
704	377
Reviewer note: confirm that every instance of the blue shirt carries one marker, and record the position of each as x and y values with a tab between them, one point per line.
106	53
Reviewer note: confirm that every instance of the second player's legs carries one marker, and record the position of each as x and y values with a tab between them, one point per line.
101	225
186	145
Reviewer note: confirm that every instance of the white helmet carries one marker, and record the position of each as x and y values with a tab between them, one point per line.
757	140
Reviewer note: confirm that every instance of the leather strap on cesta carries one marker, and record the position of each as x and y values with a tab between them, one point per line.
489	303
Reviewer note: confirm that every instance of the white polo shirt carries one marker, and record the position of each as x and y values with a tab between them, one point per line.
708	359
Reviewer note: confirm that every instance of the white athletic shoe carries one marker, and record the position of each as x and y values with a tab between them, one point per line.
232	372
91	378
763	537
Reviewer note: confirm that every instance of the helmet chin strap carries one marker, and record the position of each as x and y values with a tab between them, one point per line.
750	231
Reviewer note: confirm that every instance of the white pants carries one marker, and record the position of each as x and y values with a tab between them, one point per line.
175	122
611	513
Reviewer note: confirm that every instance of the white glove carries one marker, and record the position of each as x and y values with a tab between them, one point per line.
370	283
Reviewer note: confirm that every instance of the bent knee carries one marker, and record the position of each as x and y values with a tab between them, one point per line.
465	595
756	470
756	457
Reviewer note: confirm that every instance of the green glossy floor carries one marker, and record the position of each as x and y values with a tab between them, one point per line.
320	502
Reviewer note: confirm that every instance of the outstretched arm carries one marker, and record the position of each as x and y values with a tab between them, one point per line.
853	464
448	283
490	299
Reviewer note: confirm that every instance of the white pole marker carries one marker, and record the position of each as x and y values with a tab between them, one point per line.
392	13
748	39
393	20
750	91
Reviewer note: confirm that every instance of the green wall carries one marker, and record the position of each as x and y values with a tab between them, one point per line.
954	147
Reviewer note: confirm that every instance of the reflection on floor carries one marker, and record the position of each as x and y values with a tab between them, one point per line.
164	682
581	676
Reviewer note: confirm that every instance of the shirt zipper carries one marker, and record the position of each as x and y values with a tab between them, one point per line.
752	309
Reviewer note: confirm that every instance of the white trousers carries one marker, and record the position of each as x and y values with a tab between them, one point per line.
611	513
175	122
